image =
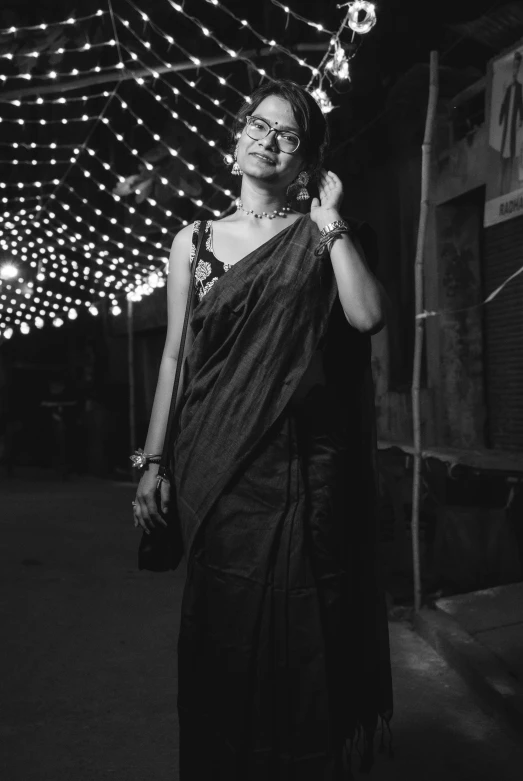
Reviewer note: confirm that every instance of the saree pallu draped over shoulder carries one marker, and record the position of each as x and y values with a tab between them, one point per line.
283	654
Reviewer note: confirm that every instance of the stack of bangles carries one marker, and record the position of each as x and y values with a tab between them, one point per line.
329	234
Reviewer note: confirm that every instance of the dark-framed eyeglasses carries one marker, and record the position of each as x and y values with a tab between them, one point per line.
257	128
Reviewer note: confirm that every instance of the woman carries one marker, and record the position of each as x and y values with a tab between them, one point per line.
283	647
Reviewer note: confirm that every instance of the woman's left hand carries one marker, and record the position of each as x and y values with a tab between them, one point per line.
326	209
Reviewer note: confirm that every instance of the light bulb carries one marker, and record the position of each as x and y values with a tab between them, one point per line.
8	271
153	280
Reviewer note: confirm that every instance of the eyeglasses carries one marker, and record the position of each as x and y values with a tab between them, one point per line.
257	128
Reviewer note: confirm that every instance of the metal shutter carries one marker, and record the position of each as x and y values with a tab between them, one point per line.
503	255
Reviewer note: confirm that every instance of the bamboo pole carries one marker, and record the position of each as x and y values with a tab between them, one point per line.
420	322
132	390
124	75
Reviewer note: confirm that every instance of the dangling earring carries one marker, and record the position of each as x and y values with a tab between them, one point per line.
302	181
236	170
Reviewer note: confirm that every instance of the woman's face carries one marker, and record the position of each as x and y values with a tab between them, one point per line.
261	159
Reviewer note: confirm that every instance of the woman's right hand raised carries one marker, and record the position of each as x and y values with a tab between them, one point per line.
147	514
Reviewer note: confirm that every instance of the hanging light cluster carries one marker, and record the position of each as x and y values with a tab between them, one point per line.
323	100
361	24
338	66
360	18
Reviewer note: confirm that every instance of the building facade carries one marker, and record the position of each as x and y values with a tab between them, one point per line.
472	394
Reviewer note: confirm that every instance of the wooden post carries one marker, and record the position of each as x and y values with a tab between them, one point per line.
420	322
130	366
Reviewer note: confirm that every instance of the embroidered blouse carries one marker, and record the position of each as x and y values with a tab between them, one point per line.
209	268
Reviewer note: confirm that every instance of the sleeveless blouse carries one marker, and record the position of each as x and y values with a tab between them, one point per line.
209	268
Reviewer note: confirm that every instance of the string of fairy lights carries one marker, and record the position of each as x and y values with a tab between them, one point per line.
188	82
245	25
46	25
71	238
222	83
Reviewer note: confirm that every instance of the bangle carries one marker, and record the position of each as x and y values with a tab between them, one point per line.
141	459
337	225
327	240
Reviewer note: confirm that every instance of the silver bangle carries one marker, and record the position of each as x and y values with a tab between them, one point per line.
336	225
328	240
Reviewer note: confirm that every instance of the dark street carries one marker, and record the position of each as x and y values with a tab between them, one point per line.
89	689
272	255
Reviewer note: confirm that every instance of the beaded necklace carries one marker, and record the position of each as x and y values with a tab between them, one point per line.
281	212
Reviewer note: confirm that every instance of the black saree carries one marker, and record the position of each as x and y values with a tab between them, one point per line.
283	654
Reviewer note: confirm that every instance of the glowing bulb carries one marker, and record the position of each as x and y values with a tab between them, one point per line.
39	322
323	100
72	314
339	64
8	271
24	328
8	333
366	24
93	310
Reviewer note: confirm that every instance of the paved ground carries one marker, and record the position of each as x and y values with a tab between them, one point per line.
494	617
88	688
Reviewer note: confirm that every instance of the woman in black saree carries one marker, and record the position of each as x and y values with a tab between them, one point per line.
283	652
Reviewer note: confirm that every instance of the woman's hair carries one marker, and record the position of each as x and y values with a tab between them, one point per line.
309	117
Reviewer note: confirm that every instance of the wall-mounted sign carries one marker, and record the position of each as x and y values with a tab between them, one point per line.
505	111
504	208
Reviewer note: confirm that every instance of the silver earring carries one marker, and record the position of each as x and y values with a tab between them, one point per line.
236	170
302	181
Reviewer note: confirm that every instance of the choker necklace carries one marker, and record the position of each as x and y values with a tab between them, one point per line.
281	212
